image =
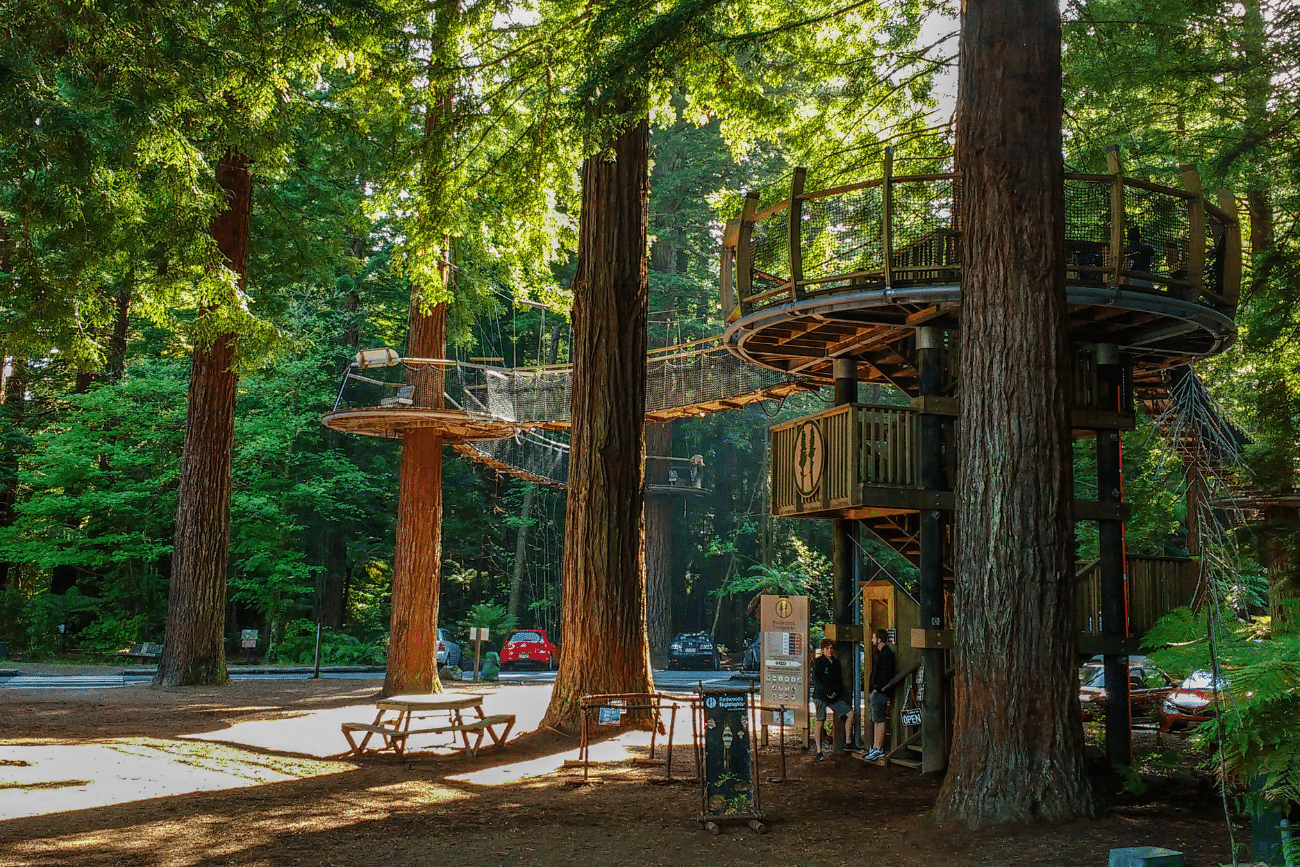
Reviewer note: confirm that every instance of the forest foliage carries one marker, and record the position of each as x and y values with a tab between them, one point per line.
112	117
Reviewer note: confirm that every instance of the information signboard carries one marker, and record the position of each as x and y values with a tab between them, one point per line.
784	662
729	789
248	638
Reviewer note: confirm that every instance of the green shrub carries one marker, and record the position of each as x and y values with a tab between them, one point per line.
298	647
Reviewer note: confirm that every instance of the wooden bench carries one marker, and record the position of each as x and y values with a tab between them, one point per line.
146	650
395	739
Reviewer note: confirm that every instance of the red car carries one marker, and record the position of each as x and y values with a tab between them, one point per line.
529	646
1147	688
1194	701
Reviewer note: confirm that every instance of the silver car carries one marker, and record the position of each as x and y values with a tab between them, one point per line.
448	650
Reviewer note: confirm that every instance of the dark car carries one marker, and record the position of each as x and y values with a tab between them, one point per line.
1147	687
528	647
1193	701
693	651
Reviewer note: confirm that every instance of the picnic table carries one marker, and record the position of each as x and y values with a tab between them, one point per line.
457	714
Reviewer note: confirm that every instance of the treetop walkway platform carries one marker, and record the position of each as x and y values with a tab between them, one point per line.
851	272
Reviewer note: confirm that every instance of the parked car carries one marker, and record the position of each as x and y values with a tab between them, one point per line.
1147	688
693	651
448	650
1193	701
528	647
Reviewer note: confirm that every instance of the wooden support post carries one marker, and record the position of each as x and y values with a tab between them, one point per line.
1231	250
796	233
1112	561
1116	216
727	269
745	253
844	556
1195	236
934	526
887	205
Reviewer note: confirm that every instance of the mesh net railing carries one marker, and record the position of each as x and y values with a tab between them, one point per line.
842	238
843	234
1165	223
413	383
926	244
771	245
534	455
700	374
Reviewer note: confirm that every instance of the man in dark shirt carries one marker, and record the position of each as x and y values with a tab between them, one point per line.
882	672
828	692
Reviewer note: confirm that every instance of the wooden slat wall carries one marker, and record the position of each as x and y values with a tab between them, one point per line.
1156	586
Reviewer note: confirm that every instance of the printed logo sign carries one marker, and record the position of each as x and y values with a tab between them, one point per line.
809	458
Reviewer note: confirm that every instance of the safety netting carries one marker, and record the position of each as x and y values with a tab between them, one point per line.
532	403
843	233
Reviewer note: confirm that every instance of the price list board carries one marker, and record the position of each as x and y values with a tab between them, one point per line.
784	663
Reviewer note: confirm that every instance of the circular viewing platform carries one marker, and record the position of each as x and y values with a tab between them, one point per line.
851	272
431	394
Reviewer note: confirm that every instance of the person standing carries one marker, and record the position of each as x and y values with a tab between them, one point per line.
882	672
828	692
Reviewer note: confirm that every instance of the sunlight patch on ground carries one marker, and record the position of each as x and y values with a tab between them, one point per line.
43	777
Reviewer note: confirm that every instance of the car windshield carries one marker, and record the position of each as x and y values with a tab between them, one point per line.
525	636
1204	679
1096	677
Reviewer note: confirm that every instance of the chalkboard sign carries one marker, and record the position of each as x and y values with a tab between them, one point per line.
728	779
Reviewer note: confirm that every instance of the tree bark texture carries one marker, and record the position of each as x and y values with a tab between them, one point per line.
1017	751
658	544
194	645
13	394
516	604
417	558
605	642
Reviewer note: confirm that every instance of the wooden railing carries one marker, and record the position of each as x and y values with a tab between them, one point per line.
1156	586
824	461
900	231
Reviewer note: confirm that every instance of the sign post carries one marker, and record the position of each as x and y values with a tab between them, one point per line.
784	661
248	642
478	635
729	784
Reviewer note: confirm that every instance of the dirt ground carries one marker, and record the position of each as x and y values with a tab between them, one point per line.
243	775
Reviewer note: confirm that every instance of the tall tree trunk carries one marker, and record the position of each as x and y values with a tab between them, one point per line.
516	604
605	648
194	644
1017	750
658	544
13	405
121	323
417	560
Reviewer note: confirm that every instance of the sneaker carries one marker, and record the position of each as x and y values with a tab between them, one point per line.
818	757
872	754
850	748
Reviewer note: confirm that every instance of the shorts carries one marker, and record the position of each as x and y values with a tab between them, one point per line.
878	706
839	707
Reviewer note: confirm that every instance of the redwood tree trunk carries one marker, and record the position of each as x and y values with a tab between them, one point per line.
194	646
13	397
516	605
1017	751
658	538
605	648
417	560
